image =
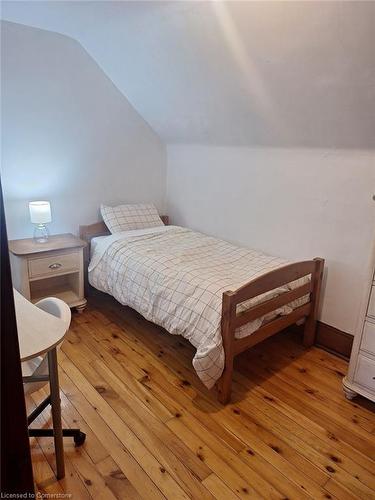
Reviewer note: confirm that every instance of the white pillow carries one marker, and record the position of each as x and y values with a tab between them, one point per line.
128	217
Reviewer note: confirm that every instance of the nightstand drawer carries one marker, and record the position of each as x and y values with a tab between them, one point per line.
54	264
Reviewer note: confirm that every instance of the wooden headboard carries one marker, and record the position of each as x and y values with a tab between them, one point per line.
86	233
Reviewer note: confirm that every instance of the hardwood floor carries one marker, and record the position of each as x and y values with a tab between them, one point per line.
154	431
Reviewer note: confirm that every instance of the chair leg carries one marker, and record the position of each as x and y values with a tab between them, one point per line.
57	432
56	413
78	436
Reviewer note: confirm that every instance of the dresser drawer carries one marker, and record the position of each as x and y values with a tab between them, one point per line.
371	304
365	373
54	264
368	337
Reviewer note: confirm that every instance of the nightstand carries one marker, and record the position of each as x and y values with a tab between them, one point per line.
51	269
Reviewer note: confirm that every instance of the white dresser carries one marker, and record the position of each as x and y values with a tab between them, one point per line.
361	374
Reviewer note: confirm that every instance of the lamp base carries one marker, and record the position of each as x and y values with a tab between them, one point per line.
41	233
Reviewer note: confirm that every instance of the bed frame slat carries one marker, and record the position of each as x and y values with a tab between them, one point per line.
274	279
271	328
271	305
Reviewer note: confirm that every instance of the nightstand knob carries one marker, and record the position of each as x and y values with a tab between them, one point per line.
56	265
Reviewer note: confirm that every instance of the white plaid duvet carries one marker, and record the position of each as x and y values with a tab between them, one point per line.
175	278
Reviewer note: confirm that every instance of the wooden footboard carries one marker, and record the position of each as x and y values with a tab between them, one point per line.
232	319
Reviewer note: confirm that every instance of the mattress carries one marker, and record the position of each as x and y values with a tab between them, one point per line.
175	277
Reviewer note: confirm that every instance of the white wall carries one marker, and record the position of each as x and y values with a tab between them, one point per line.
295	203
68	135
234	73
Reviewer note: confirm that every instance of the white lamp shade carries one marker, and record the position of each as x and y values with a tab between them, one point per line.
40	212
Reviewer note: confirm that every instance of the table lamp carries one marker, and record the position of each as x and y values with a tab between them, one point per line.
40	215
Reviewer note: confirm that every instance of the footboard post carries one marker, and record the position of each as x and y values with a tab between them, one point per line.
227	332
310	325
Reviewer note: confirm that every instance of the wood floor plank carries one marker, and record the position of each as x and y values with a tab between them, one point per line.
325	458
116	480
223	465
151	341
341	493
327	463
219	489
158	436
44	476
334	424
154	431
156	470
267	462
322	455
317	460
183	466
113	342
168	386
91	476
256	467
135	411
128	465
297	459
320	384
120	364
253	472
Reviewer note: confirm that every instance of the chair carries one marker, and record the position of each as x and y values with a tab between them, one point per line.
36	375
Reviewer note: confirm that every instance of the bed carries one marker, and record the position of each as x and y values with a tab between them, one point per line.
223	298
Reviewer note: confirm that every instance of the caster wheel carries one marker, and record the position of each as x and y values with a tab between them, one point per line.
79	438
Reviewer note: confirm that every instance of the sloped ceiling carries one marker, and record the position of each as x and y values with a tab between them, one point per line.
289	74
